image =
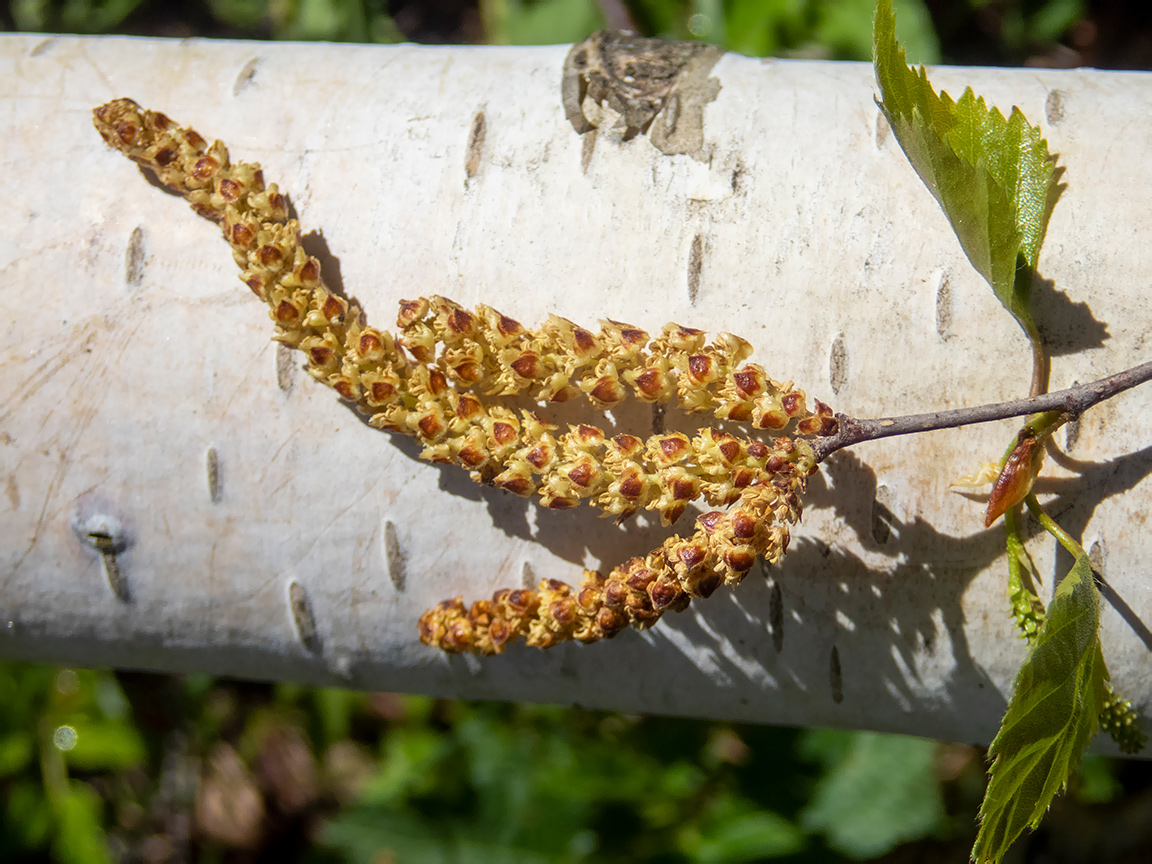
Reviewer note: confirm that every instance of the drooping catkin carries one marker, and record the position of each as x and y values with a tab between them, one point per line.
722	550
441	382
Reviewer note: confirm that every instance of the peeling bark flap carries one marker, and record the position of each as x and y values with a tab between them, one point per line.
640	79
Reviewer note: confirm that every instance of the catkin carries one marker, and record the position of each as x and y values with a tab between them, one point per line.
491	353
438	380
722	550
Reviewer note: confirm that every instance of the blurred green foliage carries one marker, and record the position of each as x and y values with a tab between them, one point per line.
826	29
98	767
88	761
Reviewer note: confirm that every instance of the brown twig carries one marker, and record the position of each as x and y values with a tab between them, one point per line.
1071	403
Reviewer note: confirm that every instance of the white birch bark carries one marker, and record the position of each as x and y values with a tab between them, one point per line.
269	533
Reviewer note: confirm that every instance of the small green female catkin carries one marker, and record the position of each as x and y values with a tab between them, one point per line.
441	381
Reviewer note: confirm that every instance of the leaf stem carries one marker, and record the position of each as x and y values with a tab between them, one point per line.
1049	525
1070	403
1041	366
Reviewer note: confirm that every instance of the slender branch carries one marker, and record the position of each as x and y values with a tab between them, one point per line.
1071	403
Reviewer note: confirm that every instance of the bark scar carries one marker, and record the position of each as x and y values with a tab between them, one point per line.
619	80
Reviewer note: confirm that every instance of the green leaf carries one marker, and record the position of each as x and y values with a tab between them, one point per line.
79	836
104	746
1056	700
736	830
992	176
882	792
845	26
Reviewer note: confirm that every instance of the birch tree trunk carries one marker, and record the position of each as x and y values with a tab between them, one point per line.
261	530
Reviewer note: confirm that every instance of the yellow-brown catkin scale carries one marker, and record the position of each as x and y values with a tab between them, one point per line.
721	551
489	352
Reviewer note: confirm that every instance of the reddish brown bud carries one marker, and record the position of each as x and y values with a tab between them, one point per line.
164	156
430	427
480	612
588	434
709	520
204	168
632	486
472	456
521	486
508	327
310	272
750	381
664	593
615	593
610	622
469	407
410	312
229	189
469	372
640	579
242	235
627	445
333	308
522	601
381	391
461	321
729	448
127	132
585	342
540	456
632	336
743	526
582	475
692	554
741	477
1016	477
607	391
369	344
503	433
458	638
739	560
674	447
526	365
590	598
700	368
499	632
286	313
269	255
321	355
650	382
